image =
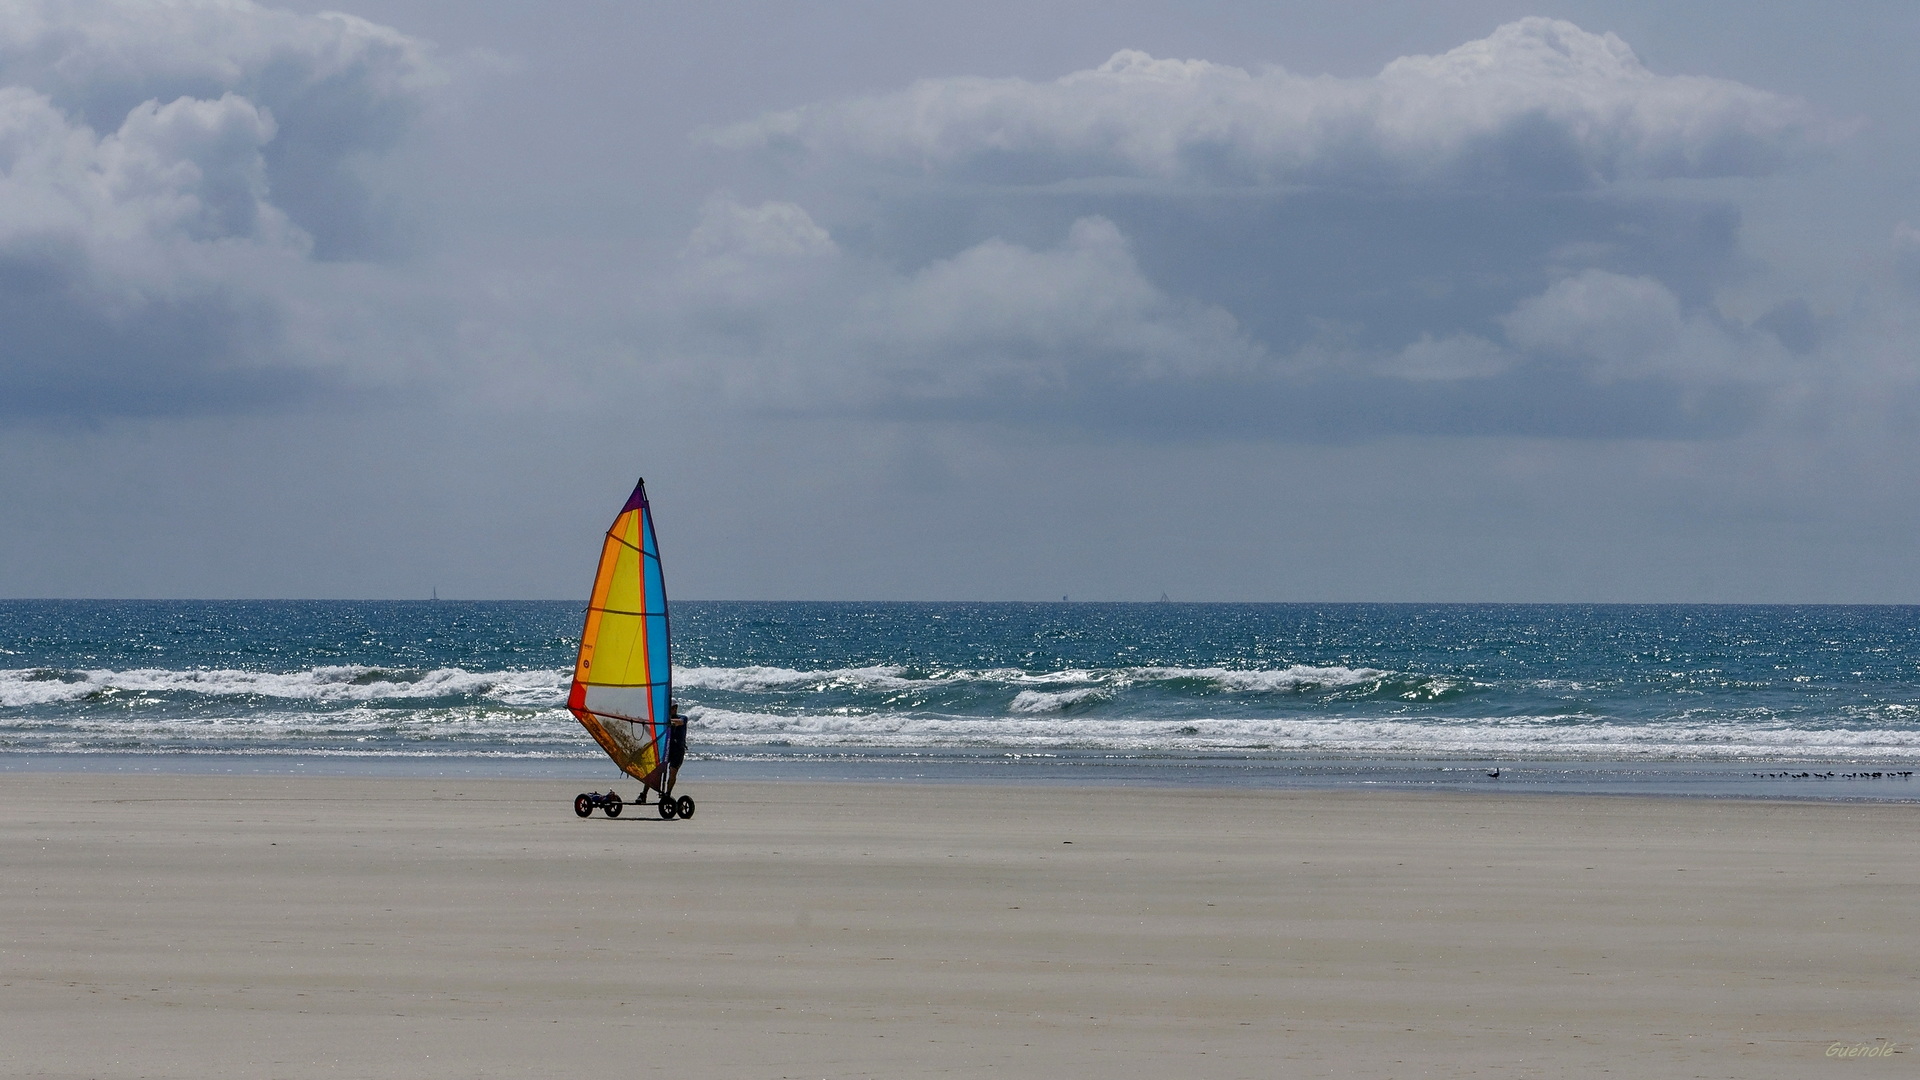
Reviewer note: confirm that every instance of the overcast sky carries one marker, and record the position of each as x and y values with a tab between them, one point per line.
1481	301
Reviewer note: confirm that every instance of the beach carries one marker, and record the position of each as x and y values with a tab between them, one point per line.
201	926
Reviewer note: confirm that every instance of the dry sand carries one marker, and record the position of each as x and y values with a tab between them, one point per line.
203	927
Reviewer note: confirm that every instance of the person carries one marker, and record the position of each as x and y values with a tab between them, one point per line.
676	744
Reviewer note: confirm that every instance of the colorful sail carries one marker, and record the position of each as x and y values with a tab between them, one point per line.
622	681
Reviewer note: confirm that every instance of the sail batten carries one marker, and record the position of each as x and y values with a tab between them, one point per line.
623	671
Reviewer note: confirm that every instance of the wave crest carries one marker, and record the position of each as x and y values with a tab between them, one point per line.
25	688
1039	701
747	680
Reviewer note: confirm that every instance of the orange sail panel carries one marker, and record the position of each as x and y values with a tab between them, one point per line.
622	682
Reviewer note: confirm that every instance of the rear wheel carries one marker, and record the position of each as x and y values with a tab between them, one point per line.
684	804
669	809
583	804
613	804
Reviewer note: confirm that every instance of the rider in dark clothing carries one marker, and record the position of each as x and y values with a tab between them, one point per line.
676	743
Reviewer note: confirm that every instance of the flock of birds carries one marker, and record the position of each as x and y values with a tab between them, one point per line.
1907	775
1904	775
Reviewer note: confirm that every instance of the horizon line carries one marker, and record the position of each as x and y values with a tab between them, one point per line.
1055	603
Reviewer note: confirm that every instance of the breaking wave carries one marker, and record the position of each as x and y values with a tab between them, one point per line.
21	688
345	683
1069	706
1294	679
1039	701
1516	736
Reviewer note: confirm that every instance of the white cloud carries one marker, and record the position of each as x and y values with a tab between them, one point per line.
188	170
775	313
730	231
168	172
1457	356
788	319
1632	327
89	47
1539	103
195	167
999	314
747	251
1617	320
1454	244
340	88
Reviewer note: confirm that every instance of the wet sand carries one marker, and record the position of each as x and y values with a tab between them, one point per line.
206	927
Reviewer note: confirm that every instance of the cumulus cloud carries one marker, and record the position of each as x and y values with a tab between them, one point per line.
1538	104
1001	315
1444	247
797	322
169	174
1458	356
742	251
1618	321
1077	335
341	89
1621	327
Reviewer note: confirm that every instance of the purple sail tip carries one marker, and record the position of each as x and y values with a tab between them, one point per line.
638	500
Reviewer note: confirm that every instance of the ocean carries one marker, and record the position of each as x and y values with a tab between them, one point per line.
1773	701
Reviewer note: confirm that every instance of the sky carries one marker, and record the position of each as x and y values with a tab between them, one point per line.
1480	301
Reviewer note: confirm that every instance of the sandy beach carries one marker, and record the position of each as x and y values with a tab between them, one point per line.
203	927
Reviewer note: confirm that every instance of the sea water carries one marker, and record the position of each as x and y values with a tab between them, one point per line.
1821	701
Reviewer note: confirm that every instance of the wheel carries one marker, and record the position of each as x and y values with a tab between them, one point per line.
668	808
684	804
583	804
613	805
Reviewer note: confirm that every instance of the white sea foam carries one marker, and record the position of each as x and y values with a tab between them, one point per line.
1041	723
346	683
1069	677
1519	736
454	711
365	727
1297	677
747	680
1040	701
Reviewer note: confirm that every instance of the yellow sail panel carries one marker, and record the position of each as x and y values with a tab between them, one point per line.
620	649
622	680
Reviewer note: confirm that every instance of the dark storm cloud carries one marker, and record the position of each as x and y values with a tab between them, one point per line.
74	350
171	176
1178	249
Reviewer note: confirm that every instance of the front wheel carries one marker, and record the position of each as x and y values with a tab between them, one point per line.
613	804
583	804
684	804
